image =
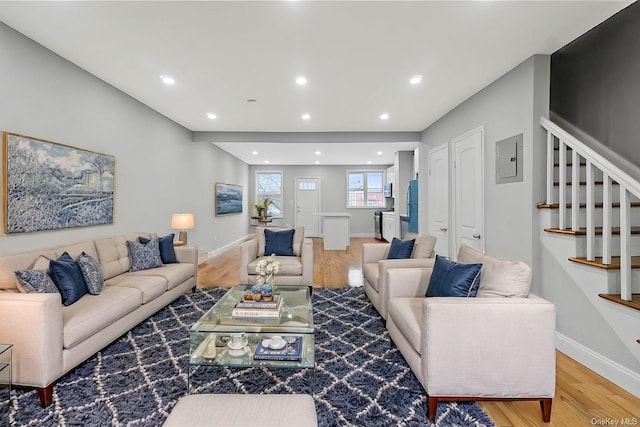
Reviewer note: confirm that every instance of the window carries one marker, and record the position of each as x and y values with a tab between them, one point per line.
269	186
364	189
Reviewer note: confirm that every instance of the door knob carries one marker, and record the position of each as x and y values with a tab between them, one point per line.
476	236
443	229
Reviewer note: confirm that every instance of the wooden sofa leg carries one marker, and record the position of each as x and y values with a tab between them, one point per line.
46	395
433	407
545	406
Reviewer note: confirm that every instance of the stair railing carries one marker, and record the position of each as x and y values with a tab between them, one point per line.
610	174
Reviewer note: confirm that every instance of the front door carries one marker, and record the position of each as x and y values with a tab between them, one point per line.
469	189
308	205
438	198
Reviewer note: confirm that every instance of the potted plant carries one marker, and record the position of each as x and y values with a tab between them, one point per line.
262	208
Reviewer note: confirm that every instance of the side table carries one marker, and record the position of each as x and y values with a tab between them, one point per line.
5	383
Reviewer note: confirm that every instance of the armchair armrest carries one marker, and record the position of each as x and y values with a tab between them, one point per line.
387	264
306	257
511	341
33	324
407	282
374	252
248	252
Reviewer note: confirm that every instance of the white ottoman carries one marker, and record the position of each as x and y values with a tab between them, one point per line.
243	410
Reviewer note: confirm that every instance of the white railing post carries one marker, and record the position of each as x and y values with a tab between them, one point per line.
591	229
562	184
607	211
575	188
625	256
550	163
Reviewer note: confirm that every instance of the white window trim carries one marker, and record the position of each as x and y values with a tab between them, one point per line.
256	196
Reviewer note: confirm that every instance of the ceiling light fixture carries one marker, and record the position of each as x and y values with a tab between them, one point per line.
317	162
384	116
255	153
368	162
168	80
212	116
306	116
318	153
301	80
266	161
415	79
379	153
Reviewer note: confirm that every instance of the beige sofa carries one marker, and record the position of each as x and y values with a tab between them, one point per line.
295	270
50	339
375	266
498	345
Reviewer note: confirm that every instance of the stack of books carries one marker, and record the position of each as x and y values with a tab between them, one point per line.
268	309
291	352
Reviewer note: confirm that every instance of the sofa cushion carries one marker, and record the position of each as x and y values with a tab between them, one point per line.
279	243
113	254
452	279
151	287
371	271
424	245
91	272
289	266
144	255
298	238
75	249
167	251
407	315
35	281
499	277
92	313
400	249
174	274
67	277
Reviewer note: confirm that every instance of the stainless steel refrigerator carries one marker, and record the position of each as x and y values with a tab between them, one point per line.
412	205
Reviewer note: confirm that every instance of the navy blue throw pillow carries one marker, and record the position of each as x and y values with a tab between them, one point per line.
67	276
279	242
452	279
401	249
167	252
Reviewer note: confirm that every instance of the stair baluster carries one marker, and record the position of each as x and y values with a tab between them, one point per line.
591	229
607	212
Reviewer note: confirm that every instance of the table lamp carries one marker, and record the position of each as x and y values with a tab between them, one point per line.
182	222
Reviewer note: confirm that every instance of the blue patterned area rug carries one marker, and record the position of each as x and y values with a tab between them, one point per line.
360	379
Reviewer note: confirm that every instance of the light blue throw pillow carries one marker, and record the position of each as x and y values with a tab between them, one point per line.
91	272
36	281
144	255
452	279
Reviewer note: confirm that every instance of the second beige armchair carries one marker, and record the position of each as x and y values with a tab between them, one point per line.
375	265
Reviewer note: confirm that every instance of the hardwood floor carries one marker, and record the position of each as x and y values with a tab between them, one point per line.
583	398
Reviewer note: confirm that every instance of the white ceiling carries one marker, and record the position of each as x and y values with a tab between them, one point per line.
357	56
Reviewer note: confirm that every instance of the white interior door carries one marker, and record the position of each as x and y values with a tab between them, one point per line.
469	189
438	198
308	205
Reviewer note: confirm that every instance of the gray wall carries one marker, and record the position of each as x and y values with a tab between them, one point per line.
333	193
159	171
507	107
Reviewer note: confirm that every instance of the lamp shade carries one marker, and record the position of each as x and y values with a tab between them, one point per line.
182	221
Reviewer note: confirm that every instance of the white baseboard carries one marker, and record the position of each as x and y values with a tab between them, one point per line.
222	249
613	371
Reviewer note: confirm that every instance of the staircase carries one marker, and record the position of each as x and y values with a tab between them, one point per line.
590	236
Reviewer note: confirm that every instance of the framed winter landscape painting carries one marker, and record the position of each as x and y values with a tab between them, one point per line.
50	186
228	199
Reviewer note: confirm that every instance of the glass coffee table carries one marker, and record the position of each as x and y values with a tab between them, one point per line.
210	336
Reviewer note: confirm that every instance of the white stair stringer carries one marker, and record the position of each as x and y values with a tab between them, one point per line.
623	320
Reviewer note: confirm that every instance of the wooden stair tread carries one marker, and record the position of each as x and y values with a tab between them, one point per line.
615	262
583	231
634	303
582	205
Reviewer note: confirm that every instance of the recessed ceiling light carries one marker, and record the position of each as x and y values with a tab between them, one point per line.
168	80
212	116
379	153
317	162
318	153
415	79
255	153
306	116
368	162
301	80
266	161
384	116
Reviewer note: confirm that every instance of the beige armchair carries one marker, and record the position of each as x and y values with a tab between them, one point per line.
375	265
483	348
295	270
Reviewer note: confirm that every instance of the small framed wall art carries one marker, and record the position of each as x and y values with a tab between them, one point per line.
228	199
50	186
